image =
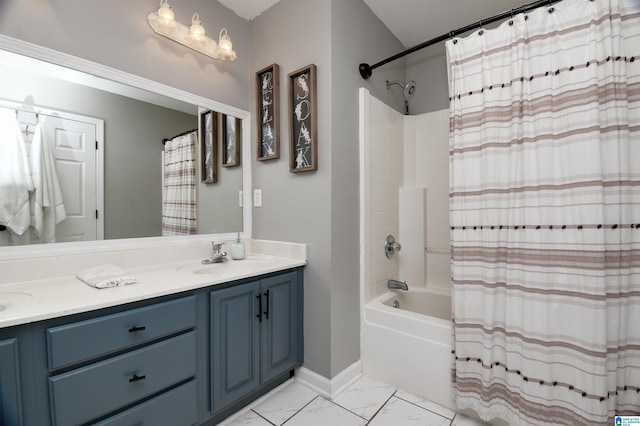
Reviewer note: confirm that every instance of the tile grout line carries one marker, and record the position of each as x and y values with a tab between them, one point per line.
426	409
454	416
301	408
362	417
261	416
347	410
381	407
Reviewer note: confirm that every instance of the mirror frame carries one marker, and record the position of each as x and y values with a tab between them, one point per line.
75	63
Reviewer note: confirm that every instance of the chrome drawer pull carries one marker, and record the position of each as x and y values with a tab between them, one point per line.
136	378
136	328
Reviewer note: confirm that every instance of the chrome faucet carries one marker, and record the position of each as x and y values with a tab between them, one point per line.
217	256
397	285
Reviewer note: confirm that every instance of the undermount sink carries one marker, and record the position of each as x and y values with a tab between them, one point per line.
235	267
12	298
231	267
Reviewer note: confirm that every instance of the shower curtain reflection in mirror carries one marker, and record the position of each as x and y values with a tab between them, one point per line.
179	192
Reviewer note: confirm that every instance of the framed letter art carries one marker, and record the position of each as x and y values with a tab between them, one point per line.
268	103
209	146
303	150
232	133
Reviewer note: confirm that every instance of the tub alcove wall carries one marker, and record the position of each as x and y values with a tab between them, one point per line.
404	184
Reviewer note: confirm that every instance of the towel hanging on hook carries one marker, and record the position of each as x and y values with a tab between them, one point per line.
28	126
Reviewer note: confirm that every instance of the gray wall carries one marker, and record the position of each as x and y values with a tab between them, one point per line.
321	208
297	206
133	133
428	67
357	36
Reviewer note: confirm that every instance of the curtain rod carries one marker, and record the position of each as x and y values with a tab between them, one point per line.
366	70
165	140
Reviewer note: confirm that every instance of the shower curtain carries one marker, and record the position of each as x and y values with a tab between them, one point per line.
545	215
179	200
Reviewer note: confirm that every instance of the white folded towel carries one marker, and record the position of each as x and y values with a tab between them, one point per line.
104	276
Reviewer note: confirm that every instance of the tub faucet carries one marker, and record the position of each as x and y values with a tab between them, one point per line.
217	256
397	285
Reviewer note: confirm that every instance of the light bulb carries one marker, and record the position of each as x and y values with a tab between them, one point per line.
196	30
225	47
224	42
165	14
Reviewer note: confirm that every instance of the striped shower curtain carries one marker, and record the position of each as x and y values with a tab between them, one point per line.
179	198
545	215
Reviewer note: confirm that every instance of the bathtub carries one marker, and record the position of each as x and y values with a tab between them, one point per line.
410	346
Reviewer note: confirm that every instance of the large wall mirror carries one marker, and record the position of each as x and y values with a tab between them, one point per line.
119	188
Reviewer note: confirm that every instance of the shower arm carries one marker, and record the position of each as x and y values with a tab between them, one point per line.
407	90
391	83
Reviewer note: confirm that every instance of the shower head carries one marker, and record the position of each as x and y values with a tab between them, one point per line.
407	89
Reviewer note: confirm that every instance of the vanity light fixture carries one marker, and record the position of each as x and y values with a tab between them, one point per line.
163	22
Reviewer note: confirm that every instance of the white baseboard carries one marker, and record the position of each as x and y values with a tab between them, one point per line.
329	388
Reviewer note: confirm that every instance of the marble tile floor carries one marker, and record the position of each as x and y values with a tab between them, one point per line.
365	402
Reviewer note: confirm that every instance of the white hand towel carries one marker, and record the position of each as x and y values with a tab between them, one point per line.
105	276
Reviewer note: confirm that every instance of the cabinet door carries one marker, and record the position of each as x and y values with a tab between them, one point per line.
234	343
10	401
280	324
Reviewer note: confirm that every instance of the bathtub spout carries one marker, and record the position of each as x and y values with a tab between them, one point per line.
397	285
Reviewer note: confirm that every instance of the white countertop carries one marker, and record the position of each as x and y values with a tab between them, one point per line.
35	300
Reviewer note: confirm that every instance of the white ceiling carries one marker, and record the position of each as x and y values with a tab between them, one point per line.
248	9
411	21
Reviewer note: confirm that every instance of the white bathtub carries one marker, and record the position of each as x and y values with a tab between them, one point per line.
410	346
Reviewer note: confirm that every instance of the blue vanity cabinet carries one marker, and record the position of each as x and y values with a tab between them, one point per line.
234	343
185	359
256	336
129	366
80	341
10	384
280	334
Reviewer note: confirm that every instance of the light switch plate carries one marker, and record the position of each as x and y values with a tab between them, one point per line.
257	198
240	198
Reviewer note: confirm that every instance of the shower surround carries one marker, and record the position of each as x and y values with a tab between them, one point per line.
404	192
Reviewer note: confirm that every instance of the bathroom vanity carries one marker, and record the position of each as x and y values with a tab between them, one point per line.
188	344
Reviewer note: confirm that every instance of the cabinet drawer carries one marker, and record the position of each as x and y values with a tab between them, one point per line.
176	407
81	341
95	390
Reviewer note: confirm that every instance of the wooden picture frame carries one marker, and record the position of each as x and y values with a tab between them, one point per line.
232	134
303	145
268	113
209	146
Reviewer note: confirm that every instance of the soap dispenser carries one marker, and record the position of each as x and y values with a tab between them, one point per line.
237	249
